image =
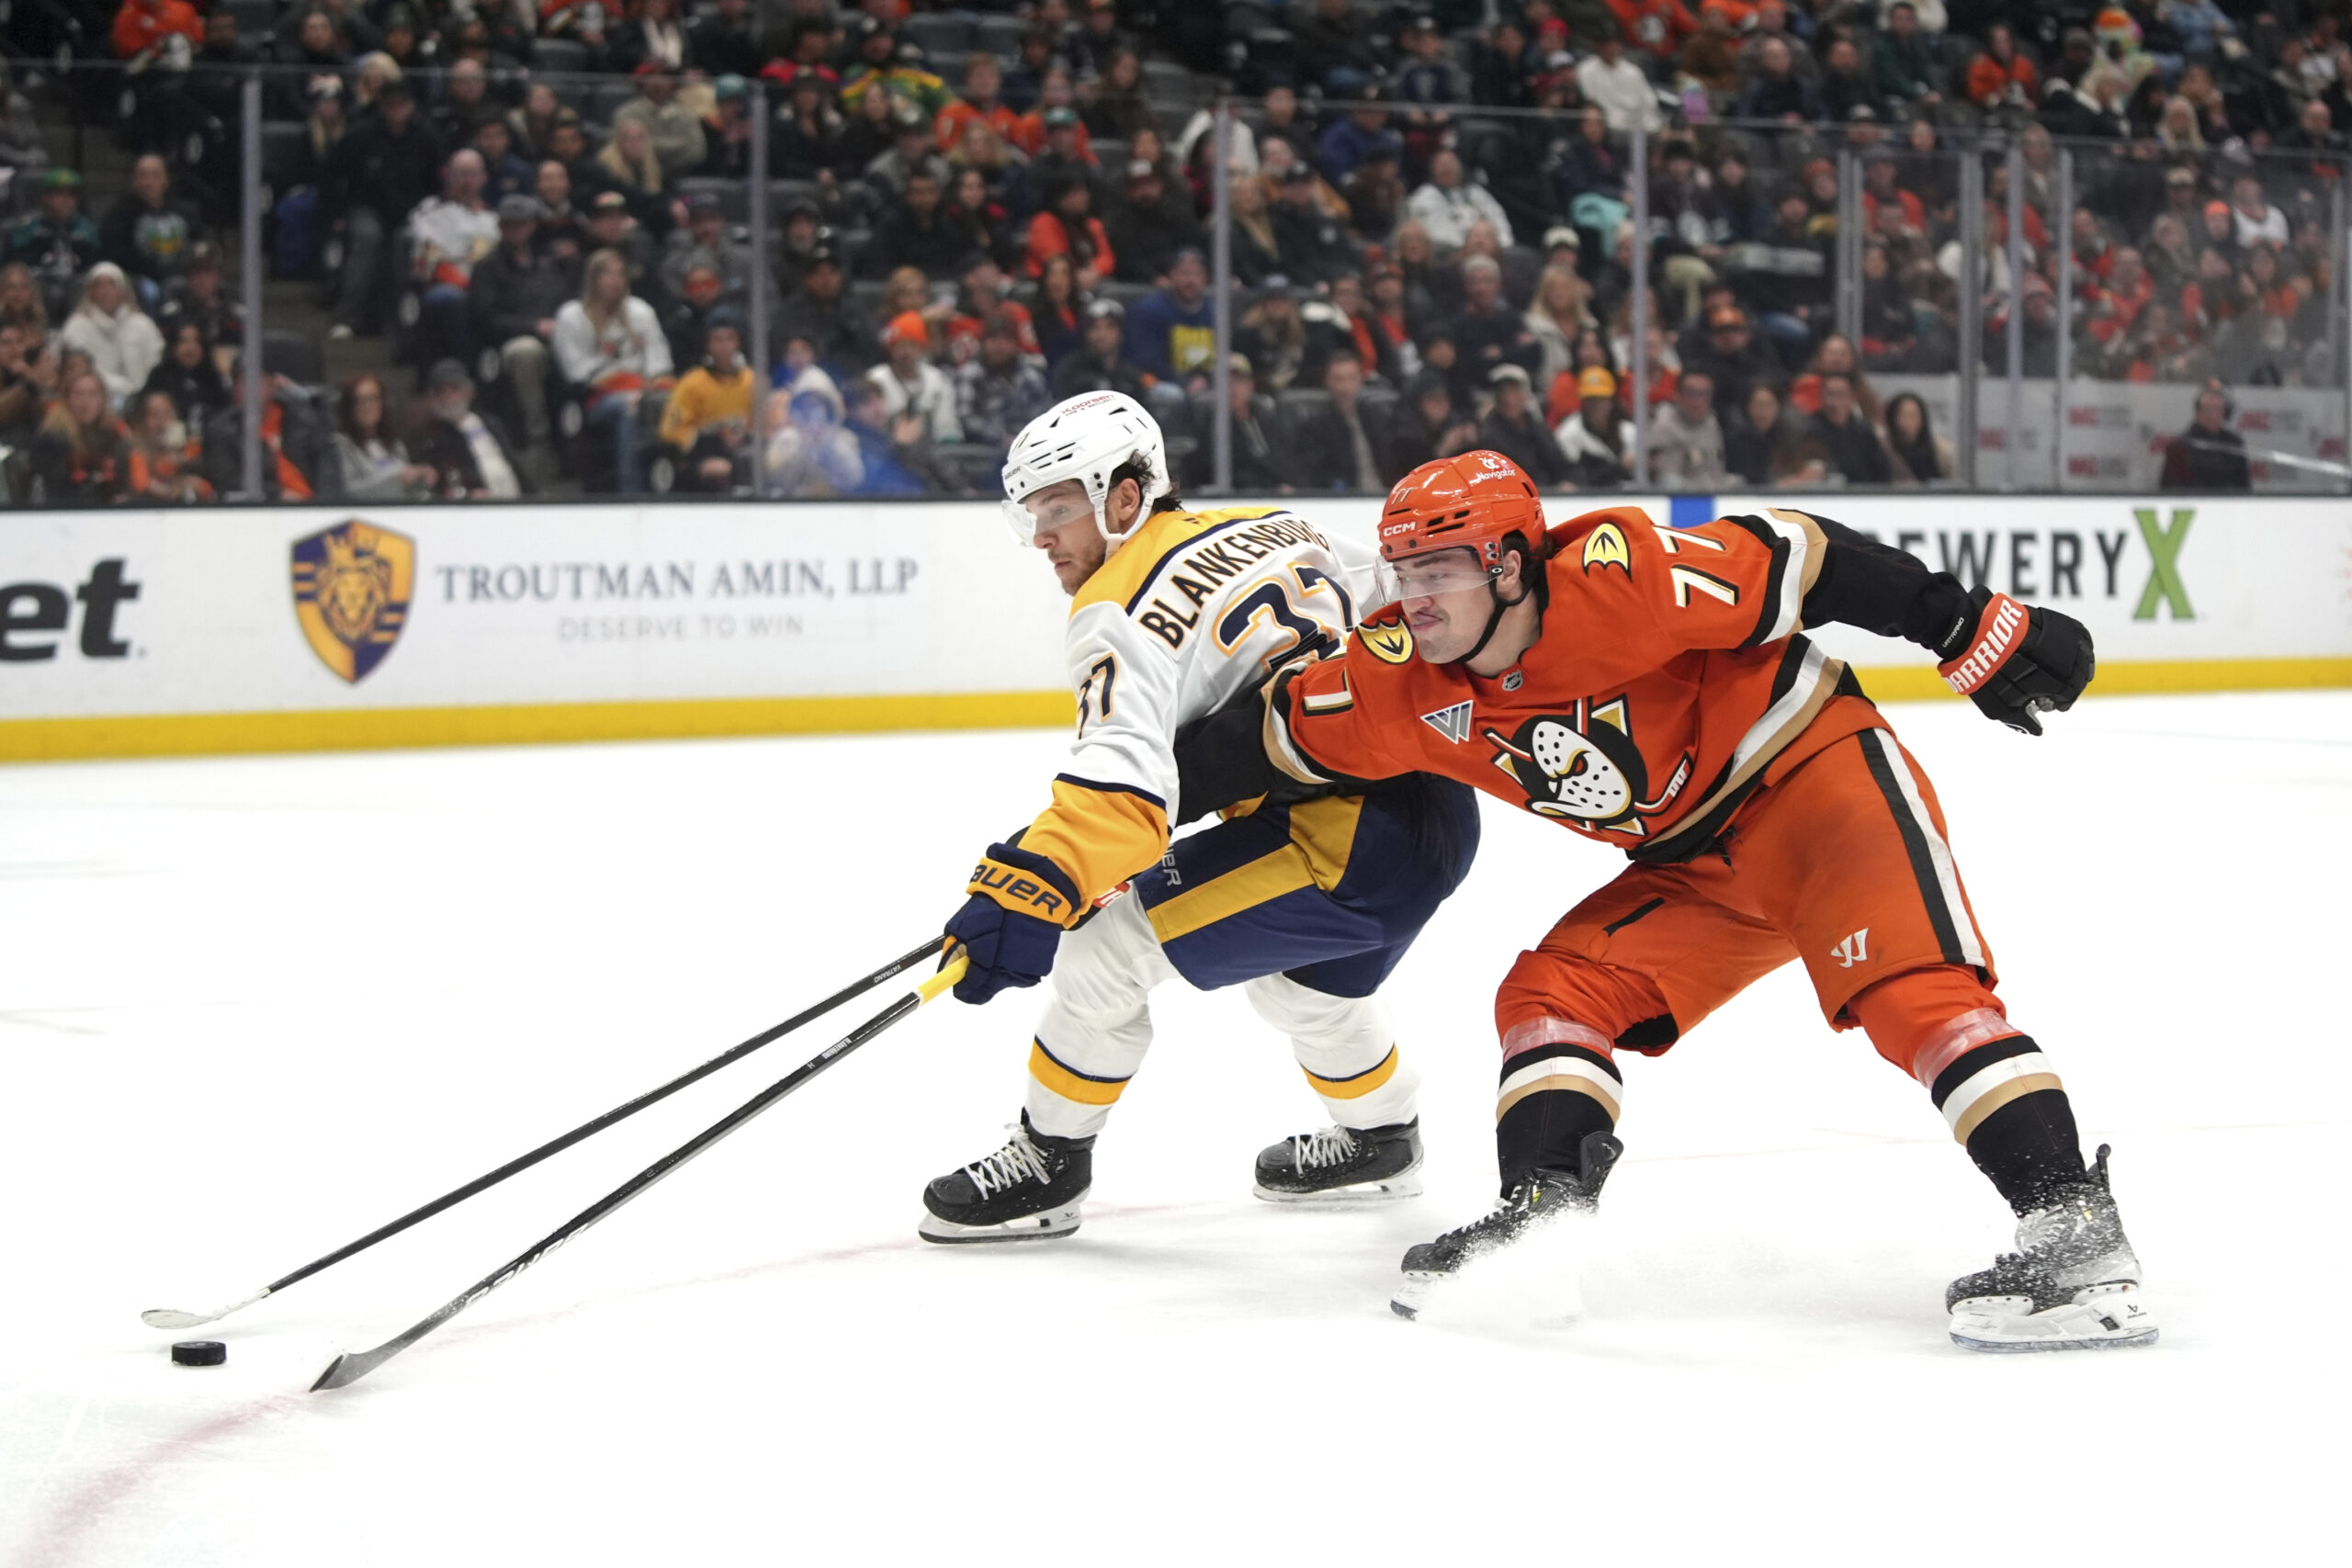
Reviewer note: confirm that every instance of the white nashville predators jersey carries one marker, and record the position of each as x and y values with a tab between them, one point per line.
1192	610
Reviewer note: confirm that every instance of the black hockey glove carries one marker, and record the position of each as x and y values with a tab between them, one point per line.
2016	662
1013	923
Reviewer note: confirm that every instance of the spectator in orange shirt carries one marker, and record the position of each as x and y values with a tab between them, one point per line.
983	79
1066	227
1657	27
143	28
2001	77
1056	110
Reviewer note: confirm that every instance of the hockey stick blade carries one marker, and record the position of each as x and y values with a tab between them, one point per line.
172	1317
351	1365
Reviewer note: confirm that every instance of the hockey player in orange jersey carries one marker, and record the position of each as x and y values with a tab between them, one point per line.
1650	688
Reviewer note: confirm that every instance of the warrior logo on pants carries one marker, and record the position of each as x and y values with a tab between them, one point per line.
1584	767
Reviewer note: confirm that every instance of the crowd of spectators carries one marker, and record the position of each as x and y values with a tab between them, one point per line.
540	210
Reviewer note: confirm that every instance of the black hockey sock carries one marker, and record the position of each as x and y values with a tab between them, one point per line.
2006	1105
1545	1129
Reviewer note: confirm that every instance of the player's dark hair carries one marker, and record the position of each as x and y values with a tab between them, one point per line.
1138	469
1531	554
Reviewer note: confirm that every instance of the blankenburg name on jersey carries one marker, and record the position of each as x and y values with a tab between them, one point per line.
1174	607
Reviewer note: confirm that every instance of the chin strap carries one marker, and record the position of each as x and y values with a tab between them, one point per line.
1493	619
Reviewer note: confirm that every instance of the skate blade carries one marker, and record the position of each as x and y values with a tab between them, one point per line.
2109	1318
1385	1190
1050	1225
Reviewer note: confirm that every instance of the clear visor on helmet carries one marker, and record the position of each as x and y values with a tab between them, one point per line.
1043	511
1441	571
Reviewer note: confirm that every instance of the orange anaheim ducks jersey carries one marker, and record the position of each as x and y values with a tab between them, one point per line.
1669	680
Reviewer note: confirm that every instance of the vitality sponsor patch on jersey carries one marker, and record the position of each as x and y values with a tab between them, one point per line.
1453	723
1391	642
1605	546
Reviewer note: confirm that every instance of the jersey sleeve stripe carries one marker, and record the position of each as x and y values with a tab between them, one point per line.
1137	790
1776	616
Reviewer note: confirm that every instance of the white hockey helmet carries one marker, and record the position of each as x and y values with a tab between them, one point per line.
1084	438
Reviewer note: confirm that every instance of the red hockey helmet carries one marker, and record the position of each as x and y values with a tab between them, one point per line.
1473	501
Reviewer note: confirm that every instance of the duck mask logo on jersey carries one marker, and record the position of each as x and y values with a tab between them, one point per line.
1583	767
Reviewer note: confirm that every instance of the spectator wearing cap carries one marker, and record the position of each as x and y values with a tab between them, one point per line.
1144	228
1450	203
465	448
1487	332
1427	83
609	345
914	232
1620	87
1334	47
1339	443
1099	363
55	240
121	341
383	171
1847	439
912	384
1514	427
1052	133
911	149
706	424
727	130
999	390
1729	353
2208	455
197	298
1262	458
887	64
704	239
819	310
150	232
517	292
1171	332
1352	138
1597	440
1313	244
610	226
979	103
1066	227
722	42
809	138
1686	439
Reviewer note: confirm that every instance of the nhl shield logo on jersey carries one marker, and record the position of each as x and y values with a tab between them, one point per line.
1583	768
352	584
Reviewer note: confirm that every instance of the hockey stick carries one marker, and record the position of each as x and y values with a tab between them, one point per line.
169	1318
350	1366
2272	455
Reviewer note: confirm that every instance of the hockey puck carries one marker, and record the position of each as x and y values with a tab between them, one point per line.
199	1353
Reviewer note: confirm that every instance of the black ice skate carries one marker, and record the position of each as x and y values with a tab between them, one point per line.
1535	1202
1343	1164
1028	1190
2072	1284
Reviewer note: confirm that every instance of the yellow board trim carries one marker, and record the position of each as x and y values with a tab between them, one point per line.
1356	1088
1262	881
362	730
1069	1085
1914	682
352	730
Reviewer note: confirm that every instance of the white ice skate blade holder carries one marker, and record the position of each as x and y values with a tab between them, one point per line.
2100	1317
1404	1184
1535	1282
1047	1225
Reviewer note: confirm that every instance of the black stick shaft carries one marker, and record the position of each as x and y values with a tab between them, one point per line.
350	1368
851	992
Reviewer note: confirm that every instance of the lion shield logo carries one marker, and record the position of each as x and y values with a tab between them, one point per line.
351	591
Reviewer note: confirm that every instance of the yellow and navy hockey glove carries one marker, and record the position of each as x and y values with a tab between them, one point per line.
1019	905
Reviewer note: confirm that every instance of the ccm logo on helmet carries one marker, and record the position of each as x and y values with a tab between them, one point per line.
1019	888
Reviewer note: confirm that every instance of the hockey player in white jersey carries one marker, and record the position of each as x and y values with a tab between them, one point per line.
1308	903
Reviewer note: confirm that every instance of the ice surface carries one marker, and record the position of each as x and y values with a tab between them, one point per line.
251	1008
